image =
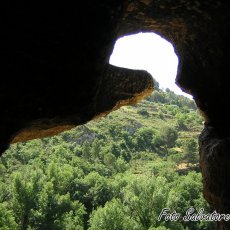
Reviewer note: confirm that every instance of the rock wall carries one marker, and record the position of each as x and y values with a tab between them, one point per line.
214	162
55	72
52	56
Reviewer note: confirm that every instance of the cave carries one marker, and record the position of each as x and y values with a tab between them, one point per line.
55	71
150	52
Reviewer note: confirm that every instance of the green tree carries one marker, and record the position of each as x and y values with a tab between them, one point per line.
112	216
144	139
96	149
25	196
62	176
158	96
86	150
169	136
145	199
187	193
116	150
181	121
95	190
191	151
109	160
55	210
7	219
120	165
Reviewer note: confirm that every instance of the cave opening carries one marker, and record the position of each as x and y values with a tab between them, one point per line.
115	171
150	52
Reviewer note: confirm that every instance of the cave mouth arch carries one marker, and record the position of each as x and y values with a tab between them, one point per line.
151	52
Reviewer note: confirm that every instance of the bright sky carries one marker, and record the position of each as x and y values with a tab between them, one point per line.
150	52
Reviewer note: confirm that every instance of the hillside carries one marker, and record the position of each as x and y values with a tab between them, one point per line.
116	172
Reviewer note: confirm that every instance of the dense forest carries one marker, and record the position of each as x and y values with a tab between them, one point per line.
114	173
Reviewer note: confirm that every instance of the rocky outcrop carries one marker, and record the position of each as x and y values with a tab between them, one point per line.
214	162
55	74
117	87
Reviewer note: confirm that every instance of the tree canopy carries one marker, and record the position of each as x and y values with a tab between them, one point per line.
117	172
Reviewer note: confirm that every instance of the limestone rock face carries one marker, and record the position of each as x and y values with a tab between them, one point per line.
55	72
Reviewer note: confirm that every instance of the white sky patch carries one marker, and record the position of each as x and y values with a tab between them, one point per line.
150	52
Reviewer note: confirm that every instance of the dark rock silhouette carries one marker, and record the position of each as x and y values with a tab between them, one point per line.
55	72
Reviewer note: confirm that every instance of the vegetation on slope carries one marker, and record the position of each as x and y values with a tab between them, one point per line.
114	173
